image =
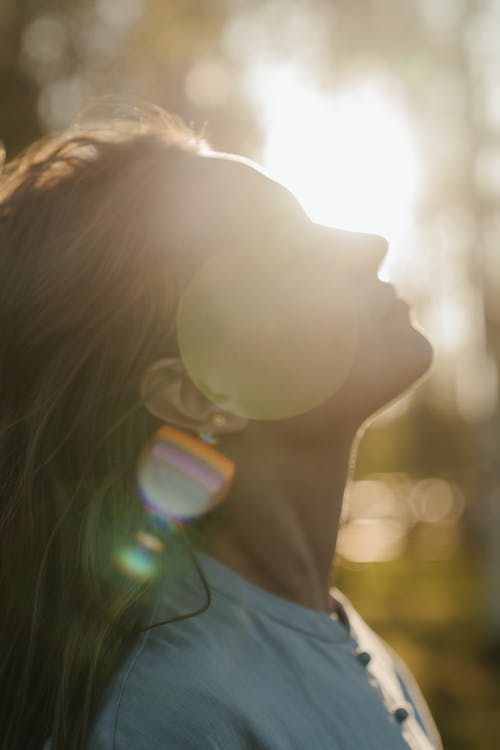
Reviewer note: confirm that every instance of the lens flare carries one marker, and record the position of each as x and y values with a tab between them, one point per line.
137	562
149	541
181	478
270	333
140	561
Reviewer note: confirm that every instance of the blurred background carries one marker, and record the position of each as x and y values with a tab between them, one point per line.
384	116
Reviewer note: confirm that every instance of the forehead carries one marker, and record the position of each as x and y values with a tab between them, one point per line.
222	198
245	187
220	202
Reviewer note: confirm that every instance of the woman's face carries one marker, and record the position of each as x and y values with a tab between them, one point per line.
283	318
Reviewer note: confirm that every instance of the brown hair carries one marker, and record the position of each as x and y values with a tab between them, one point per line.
86	302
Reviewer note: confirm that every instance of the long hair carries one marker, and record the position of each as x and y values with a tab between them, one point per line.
87	300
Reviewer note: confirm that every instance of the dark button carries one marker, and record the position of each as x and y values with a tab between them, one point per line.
401	714
364	657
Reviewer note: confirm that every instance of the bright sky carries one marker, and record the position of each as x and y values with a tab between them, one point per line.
349	156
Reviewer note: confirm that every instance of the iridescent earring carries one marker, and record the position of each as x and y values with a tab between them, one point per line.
181	477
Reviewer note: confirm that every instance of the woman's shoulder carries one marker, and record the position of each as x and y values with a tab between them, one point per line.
172	680
164	695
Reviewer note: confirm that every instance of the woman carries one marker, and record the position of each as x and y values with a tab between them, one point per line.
149	281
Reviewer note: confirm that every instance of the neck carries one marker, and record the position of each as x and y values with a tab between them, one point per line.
280	524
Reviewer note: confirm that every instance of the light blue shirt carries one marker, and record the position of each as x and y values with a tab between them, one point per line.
258	672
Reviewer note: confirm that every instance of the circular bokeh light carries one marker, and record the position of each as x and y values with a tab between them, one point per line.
137	562
268	334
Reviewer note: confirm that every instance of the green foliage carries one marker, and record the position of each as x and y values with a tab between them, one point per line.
434	614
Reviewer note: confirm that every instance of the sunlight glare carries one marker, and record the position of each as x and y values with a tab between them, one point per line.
349	157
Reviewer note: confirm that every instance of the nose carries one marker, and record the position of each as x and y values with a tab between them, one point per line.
361	252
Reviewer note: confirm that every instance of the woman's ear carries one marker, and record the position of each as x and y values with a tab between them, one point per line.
169	393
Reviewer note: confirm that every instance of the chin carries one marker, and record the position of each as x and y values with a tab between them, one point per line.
417	357
376	380
385	375
405	369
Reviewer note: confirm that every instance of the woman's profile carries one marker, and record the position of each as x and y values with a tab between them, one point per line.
186	362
